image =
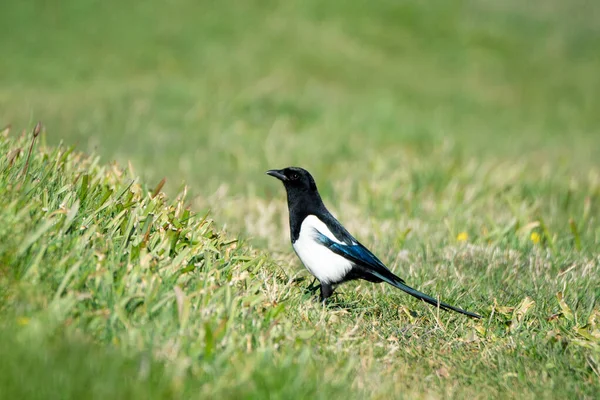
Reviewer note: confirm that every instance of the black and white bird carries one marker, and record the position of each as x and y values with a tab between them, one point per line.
329	252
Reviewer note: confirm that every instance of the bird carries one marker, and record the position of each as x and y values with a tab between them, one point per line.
329	252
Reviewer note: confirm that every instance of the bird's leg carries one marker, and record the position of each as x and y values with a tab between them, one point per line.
326	291
313	287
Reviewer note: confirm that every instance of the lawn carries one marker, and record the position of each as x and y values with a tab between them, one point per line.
458	140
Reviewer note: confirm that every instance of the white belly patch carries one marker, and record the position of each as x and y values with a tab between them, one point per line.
324	264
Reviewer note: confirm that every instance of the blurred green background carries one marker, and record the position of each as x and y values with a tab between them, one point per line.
216	92
459	140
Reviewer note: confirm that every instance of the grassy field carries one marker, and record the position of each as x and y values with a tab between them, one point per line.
458	140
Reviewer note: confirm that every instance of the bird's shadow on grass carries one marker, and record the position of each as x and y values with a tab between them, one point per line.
339	301
335	302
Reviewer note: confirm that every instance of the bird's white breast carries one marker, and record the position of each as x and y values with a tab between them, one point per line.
324	264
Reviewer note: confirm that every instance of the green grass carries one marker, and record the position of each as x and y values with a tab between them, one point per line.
92	259
214	93
89	252
422	122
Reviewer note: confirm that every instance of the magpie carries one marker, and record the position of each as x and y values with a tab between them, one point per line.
329	252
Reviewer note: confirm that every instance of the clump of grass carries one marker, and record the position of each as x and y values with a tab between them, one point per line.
96	265
86	251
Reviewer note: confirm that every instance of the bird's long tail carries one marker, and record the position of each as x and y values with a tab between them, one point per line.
397	282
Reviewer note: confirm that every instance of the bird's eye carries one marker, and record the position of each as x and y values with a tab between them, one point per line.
294	176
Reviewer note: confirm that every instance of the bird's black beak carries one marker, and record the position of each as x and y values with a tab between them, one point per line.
277	174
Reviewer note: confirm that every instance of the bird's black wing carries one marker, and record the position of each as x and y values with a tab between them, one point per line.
353	250
370	266
337	229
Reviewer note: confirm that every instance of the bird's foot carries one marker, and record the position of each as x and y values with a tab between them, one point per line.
313	286
321	301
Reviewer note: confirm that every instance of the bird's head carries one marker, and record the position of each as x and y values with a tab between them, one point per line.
294	179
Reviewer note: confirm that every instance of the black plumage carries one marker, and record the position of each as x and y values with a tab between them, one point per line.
327	249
